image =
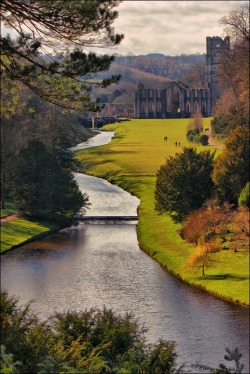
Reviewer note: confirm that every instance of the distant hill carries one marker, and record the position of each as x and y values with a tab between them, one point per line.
124	91
154	71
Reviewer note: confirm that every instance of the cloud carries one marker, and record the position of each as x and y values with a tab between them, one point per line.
170	27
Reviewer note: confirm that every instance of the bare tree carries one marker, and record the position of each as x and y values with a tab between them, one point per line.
233	72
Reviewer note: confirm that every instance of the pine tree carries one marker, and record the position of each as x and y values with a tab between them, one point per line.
42	188
184	183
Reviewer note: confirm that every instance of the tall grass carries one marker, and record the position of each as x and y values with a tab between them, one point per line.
131	161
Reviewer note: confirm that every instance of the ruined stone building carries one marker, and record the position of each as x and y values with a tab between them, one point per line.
178	100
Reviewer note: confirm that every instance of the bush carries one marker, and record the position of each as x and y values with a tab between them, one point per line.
92	341
193	136
203	139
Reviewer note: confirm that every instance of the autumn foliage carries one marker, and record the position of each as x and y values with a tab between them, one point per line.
230	228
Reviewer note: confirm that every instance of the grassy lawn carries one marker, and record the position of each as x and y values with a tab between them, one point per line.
18	230
131	161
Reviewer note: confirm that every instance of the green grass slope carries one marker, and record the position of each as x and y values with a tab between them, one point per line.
131	161
19	231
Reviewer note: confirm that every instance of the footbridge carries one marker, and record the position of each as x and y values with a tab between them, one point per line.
108	219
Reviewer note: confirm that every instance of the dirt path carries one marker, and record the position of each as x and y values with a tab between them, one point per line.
8	218
211	140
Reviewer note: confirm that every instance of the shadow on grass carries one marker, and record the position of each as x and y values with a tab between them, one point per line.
223	277
85	165
110	152
128	185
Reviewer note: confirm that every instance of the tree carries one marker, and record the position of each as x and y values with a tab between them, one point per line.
196	122
42	188
231	168
233	73
184	183
201	258
64	78
195	75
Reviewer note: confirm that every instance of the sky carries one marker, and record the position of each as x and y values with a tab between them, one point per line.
169	27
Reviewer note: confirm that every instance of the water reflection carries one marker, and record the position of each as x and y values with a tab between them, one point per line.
101	265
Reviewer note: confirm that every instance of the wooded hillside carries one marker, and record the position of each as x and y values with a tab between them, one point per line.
152	70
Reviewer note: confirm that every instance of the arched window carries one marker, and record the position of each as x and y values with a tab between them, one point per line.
158	106
143	107
196	107
151	106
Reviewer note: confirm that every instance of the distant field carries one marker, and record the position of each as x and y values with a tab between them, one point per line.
139	147
131	160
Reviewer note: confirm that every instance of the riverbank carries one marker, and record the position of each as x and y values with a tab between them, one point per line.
16	232
131	161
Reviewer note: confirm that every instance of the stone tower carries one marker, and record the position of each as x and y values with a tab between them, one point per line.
216	47
177	100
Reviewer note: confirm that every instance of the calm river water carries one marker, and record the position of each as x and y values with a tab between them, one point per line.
93	265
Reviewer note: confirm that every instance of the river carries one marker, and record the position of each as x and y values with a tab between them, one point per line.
99	264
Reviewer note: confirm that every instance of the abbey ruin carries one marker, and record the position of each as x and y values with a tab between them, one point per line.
178	100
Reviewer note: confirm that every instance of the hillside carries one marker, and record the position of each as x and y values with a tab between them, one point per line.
154	71
123	92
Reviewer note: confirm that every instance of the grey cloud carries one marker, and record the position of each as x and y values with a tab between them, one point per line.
176	26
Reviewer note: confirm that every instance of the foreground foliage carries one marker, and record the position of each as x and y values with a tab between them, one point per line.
64	77
94	341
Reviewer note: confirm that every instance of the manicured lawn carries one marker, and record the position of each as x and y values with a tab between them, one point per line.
131	161
19	230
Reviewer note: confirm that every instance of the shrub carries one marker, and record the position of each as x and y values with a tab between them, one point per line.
203	139
193	136
92	341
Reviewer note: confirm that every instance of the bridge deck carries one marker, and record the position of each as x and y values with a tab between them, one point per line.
108	218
